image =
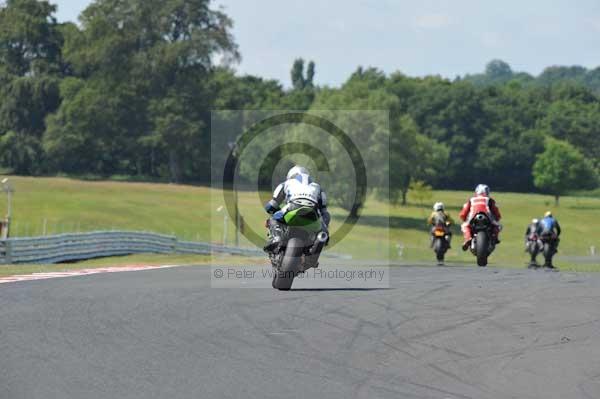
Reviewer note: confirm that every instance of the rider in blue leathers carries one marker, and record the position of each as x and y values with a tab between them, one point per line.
550	230
549	225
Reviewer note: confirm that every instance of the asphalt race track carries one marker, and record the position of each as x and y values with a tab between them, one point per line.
436	333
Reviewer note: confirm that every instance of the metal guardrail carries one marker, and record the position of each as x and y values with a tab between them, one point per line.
98	244
79	246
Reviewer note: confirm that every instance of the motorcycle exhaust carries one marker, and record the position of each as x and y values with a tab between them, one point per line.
322	238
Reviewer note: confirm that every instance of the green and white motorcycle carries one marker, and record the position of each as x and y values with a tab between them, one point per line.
303	239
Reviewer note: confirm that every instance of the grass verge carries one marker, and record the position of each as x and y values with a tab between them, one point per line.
398	233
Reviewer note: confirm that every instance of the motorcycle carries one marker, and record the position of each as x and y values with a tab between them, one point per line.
549	248
441	243
534	246
303	239
482	244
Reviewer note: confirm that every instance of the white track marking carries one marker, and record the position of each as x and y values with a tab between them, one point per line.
82	272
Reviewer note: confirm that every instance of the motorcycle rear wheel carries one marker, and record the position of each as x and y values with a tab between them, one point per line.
548	253
533	251
482	247
440	249
284	277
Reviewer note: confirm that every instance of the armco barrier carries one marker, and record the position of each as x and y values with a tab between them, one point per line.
71	247
80	246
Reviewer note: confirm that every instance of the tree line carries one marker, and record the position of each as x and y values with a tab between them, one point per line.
129	91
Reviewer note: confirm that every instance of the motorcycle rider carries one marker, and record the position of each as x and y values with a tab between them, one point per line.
550	229
439	217
532	237
480	203
549	224
533	230
298	185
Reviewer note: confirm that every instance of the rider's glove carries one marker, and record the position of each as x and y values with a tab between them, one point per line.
271	207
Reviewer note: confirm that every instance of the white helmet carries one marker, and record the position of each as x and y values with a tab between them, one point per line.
438	206
482	189
534	221
297	170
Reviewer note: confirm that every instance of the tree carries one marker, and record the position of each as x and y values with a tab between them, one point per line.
30	68
310	74
577	123
95	128
507	153
131	88
298	74
369	131
557	74
561	167
498	70
30	39
452	114
149	63
404	156
299	80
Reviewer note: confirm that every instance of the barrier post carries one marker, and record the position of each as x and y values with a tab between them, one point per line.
4	228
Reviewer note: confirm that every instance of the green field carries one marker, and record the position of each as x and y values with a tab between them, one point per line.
65	205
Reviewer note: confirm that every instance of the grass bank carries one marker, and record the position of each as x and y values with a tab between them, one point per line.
57	205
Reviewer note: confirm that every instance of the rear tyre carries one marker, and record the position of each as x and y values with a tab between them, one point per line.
533	251
482	246
284	277
548	254
274	281
439	249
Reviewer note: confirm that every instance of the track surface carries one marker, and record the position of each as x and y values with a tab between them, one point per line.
437	333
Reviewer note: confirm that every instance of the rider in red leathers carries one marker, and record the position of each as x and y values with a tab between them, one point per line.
480	203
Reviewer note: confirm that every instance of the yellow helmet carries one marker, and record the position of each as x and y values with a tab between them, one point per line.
547	214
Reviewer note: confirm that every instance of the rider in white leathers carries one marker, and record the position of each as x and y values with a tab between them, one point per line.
299	186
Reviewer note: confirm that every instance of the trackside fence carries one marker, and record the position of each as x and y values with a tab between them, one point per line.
98	244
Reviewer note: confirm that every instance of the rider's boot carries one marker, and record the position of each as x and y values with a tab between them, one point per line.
272	244
468	236
275	236
533	264
466	244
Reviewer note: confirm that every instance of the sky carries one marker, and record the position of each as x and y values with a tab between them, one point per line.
418	38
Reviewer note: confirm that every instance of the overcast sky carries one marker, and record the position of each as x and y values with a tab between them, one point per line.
446	37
